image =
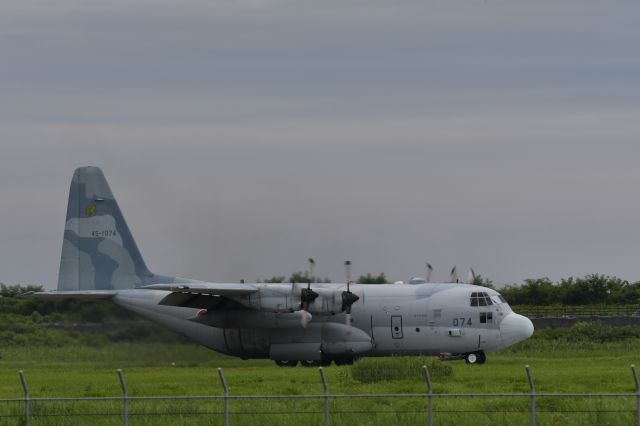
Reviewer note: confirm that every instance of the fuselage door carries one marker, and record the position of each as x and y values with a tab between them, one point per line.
233	339
396	326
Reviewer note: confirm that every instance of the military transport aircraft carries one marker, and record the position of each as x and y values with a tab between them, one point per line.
310	323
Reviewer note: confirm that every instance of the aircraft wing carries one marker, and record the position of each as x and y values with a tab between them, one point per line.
212	289
78	295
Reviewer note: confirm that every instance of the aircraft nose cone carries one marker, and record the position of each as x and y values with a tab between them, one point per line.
515	328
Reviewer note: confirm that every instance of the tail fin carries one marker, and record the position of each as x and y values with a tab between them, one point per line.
98	251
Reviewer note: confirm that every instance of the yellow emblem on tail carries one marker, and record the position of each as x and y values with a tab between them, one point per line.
91	210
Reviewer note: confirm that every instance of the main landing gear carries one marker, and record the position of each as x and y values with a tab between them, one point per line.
314	363
475	358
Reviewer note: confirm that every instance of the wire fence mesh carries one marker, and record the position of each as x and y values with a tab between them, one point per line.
316	409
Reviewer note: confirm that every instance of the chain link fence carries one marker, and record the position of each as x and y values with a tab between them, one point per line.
388	408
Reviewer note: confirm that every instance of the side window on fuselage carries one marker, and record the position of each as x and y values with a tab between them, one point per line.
486	317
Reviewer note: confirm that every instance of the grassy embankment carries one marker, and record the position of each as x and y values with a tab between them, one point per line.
582	360
61	360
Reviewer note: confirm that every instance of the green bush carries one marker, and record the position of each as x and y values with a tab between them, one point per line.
596	332
594	289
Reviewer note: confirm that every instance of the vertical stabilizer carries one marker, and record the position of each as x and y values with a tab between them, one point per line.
98	251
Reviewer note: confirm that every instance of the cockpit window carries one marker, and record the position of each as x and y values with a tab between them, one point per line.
480	299
497	299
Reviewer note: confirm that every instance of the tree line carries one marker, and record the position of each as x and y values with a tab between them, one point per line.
305	277
593	289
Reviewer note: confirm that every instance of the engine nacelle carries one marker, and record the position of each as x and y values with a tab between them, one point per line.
271	298
344	340
282	298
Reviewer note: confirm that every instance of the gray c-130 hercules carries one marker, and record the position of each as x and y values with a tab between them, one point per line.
314	324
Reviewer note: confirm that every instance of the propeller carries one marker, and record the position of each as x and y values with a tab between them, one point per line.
471	276
347	297
427	276
454	275
306	295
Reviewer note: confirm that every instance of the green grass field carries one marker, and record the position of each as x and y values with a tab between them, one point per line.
154	369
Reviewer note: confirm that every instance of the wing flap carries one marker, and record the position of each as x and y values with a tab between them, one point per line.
193	300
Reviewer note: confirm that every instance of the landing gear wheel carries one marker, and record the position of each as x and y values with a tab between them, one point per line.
286	362
344	361
475	358
471	358
309	363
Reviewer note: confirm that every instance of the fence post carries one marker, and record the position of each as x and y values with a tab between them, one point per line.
27	399
427	379
327	421
635	378
125	400
533	395
225	389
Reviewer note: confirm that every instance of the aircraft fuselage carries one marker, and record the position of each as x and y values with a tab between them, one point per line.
388	319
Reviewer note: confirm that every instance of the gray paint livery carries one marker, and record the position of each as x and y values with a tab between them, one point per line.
285	322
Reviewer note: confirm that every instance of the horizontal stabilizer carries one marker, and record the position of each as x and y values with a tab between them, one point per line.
214	289
77	295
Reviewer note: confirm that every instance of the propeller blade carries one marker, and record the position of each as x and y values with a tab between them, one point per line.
317	304
347	270
305	319
296	289
454	275
296	293
312	266
427	276
471	276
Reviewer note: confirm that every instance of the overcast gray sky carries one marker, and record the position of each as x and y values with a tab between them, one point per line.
241	137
